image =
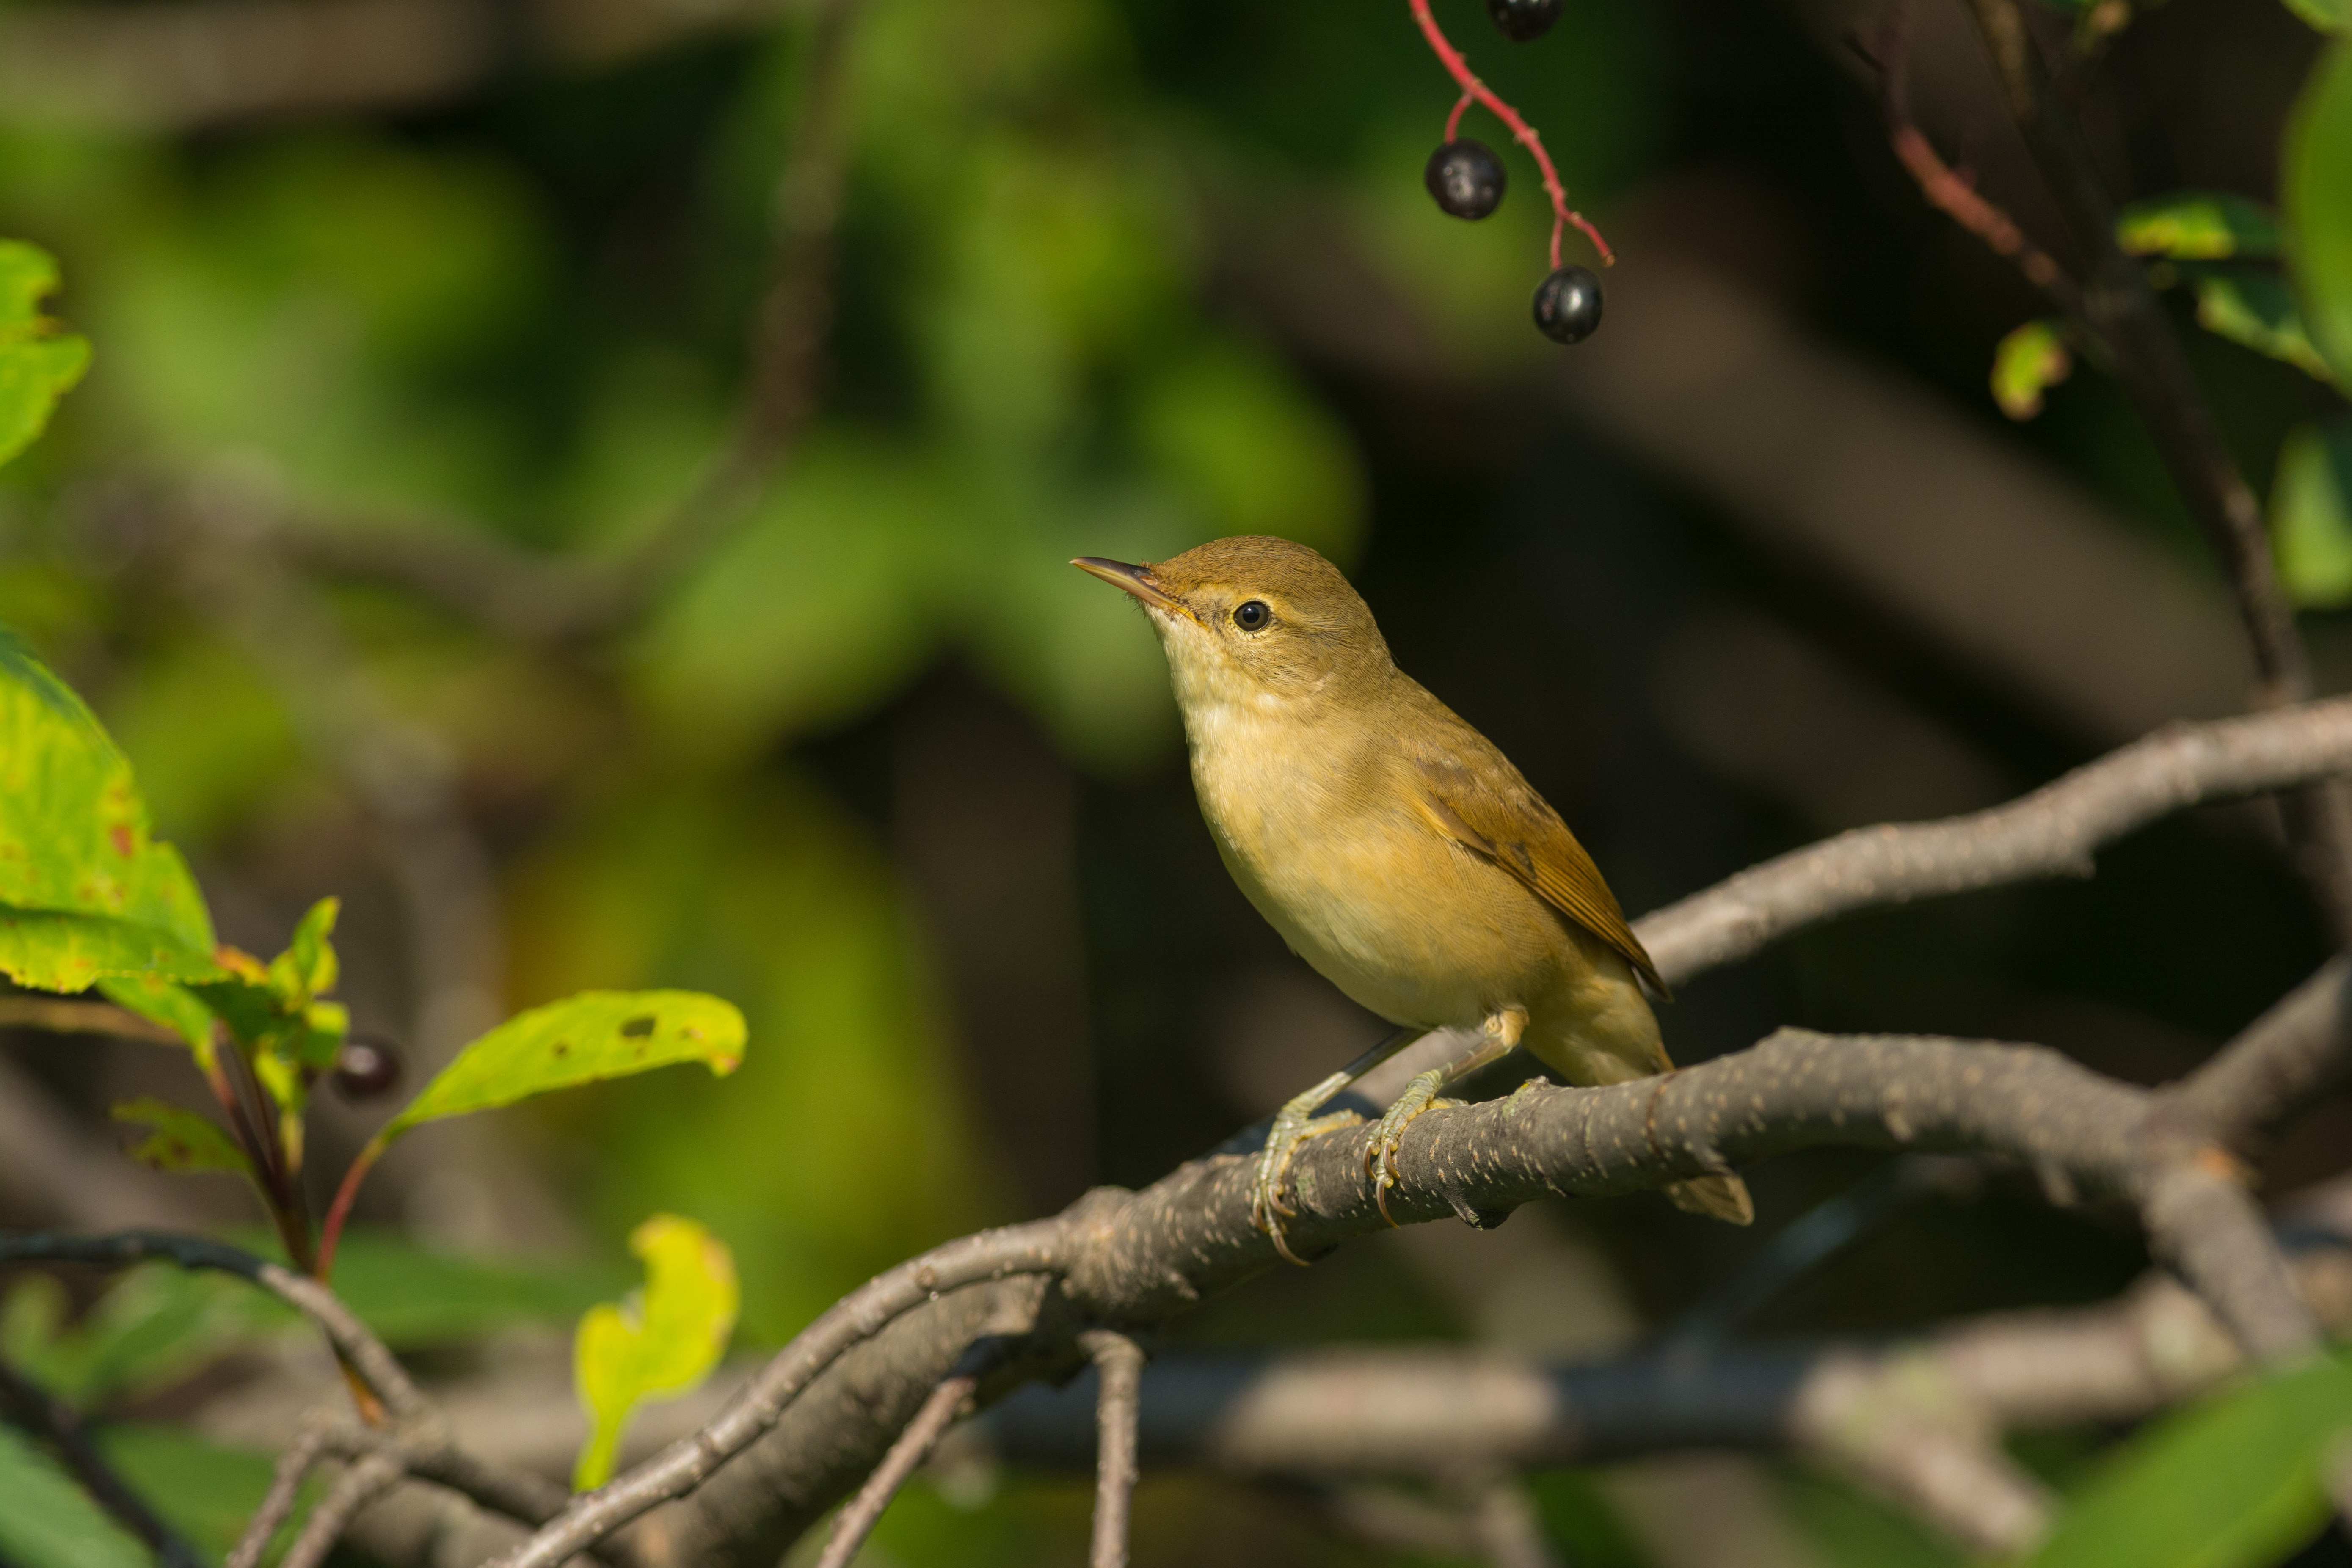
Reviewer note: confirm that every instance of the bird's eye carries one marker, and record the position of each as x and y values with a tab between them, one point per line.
1253	616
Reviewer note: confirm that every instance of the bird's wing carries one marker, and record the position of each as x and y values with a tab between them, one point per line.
1495	814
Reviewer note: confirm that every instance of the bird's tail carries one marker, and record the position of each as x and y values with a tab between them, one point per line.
1717	1197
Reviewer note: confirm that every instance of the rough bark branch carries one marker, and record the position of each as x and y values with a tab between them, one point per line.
2052	831
854	1524
1119	1375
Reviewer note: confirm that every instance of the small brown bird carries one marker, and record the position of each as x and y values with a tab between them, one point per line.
1395	849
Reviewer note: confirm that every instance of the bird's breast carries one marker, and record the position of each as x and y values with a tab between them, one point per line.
1320	833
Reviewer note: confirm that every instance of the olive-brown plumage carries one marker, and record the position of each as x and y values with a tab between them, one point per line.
1393	845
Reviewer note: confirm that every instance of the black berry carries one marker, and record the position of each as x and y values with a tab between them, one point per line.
1568	305
1466	178
365	1068
1522	21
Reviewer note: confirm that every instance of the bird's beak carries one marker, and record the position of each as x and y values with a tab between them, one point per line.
1136	580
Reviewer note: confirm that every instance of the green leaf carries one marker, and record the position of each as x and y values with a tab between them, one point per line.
2316	190
2328	15
74	835
52	952
2310	515
50	1522
2255	309
417	1298
660	1342
2029	361
2196	226
37	362
156	1326
308	966
596	1034
2231	1483
183	1141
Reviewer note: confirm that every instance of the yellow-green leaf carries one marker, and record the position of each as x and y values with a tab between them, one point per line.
2197	226
74	835
660	1344
307	967
48	951
2255	309
183	1141
167	1003
38	362
2310	515
596	1035
2233	1482
2029	361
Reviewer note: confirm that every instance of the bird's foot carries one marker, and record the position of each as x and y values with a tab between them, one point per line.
1379	1158
1295	1125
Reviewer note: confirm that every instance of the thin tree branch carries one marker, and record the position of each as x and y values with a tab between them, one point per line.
369	1477
66	1016
32	1409
317	1438
352	1339
190	65
1946	189
947	1401
2301	1048
2122	308
2054	831
1037	1247
1119	1374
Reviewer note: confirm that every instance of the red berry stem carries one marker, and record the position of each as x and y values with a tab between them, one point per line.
1453	120
1521	131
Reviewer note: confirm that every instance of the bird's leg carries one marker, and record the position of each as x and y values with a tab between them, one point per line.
1296	1123
1502	1030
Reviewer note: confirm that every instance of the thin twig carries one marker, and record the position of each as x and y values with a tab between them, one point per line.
26	1404
938	1413
1037	1247
293	1468
66	1016
2052	831
1944	188
2121	307
1521	131
1119	1370
351	1338
368	1479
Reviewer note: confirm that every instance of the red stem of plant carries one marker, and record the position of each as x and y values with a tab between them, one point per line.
331	1231
1521	131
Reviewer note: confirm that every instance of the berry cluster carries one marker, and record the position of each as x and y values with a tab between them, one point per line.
1467	180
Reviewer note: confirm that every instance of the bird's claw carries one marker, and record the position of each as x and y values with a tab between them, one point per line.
1380	1156
1293	1128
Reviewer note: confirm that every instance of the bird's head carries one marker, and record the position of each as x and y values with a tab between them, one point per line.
1253	619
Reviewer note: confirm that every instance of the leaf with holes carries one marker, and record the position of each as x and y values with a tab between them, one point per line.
2197	226
2027	363
39	362
596	1035
183	1141
661	1342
